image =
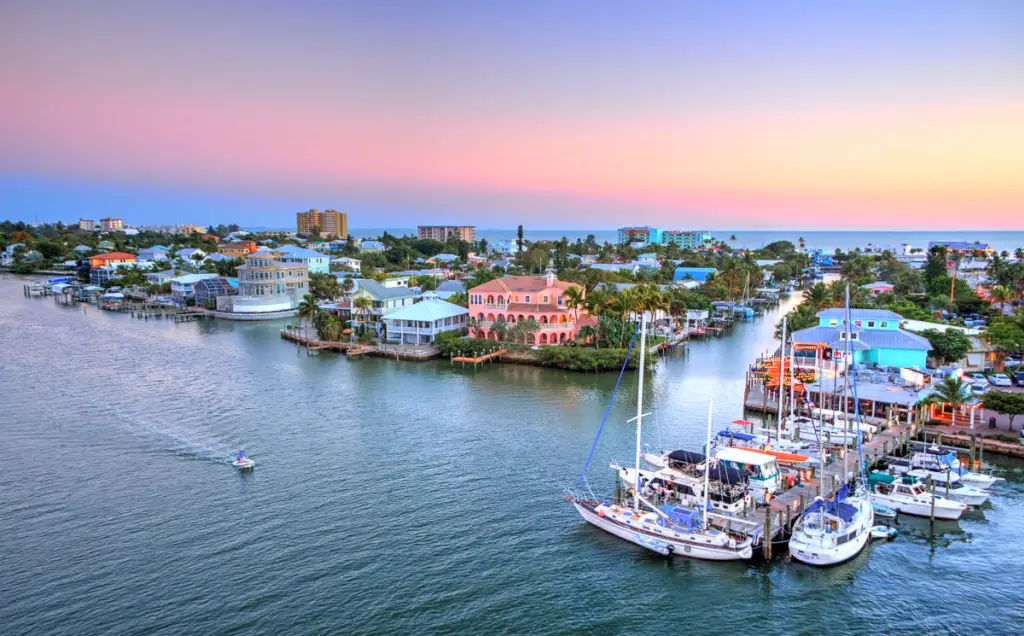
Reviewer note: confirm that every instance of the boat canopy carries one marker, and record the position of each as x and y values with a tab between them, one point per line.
746	437
685	457
682	517
841	509
880	478
727	475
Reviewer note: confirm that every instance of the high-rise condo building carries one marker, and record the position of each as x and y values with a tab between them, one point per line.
329	222
444	232
111	225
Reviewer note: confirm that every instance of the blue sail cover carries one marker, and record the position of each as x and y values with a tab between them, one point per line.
681	517
835	506
746	437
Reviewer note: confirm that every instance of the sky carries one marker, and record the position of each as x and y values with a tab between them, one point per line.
554	114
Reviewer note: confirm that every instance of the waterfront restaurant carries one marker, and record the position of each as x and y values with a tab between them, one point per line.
875	339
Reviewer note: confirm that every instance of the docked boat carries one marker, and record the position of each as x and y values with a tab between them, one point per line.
833	531
934	458
883	512
908	496
883	532
680	481
665	529
943	478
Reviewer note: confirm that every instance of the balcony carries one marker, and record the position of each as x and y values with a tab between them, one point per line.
495	306
554	326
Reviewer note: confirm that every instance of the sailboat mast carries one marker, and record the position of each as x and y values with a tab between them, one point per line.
846	384
782	357
821	420
640	405
707	462
792	401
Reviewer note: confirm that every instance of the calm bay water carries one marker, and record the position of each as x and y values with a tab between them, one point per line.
396	498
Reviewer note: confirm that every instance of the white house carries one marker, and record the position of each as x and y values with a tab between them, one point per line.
153	254
420	323
184	287
351	264
371	246
316	262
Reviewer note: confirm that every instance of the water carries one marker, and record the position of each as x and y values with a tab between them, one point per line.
815	239
395	498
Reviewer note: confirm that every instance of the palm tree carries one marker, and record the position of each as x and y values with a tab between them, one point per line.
573	298
1019	253
952	391
363	304
308	309
817	295
1001	295
347	287
801	243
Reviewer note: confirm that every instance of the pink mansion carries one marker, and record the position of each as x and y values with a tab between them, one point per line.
521	297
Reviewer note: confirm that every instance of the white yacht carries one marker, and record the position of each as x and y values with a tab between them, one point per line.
681	481
666	529
907	495
938	459
831	532
958	489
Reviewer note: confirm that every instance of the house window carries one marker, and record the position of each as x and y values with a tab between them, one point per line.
545	300
871	323
857	322
884	325
527	299
560	301
517	297
833	323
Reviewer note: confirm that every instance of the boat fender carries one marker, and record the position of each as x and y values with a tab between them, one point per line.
600	513
671	548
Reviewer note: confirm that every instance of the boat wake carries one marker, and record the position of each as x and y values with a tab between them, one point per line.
190	443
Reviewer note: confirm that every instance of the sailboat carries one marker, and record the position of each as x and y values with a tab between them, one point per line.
666	529
832	531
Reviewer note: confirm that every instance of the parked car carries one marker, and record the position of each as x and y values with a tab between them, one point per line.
976	377
978	388
1012	361
1018	377
999	379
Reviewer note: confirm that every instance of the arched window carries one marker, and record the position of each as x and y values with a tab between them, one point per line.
490	300
543	338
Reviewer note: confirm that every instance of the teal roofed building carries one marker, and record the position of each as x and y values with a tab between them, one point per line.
875	338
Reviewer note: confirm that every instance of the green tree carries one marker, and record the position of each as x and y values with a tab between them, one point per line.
573	298
459	298
519	235
951	391
500	327
948	345
1001	295
1004	337
1005	403
308	309
936	265
363	305
324	286
817	296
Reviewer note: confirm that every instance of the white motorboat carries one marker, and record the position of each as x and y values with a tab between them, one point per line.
958	489
907	495
940	459
679	484
883	532
818	433
243	462
668	529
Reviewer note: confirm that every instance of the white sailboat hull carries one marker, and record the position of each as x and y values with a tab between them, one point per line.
944	509
687	548
978	480
820	550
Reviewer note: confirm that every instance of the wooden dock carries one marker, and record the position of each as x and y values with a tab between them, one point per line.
487	357
393	351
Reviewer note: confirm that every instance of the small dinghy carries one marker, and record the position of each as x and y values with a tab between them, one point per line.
243	462
883	512
883	532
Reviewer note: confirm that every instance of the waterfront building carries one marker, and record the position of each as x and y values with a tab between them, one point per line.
384	299
687	239
237	249
420	323
86	224
444	232
111	258
266	284
641	234
518	298
329	222
209	291
316	262
698	274
184	287
111	225
962	247
105	273
876	338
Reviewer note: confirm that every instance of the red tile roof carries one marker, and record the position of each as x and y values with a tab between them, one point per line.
520	284
112	256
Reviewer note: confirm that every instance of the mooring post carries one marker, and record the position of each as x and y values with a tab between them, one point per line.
981	449
767	548
970	464
931	486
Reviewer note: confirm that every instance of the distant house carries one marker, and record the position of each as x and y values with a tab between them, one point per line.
384	299
82	249
519	298
184	287
159	278
446	259
876	338
237	249
699	274
880	287
420	323
217	257
961	247
351	264
371	246
316	262
106	245
208	290
449	288
153	254
190	255
111	258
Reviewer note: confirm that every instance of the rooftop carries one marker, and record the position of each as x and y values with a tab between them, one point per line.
866	338
860	314
428	310
374	288
521	284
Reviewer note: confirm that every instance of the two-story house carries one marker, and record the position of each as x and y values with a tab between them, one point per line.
384	300
875	338
316	262
517	298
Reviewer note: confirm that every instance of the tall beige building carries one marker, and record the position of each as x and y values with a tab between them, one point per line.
444	232
86	224
329	222
111	225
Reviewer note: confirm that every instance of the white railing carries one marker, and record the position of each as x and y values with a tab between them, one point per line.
557	326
